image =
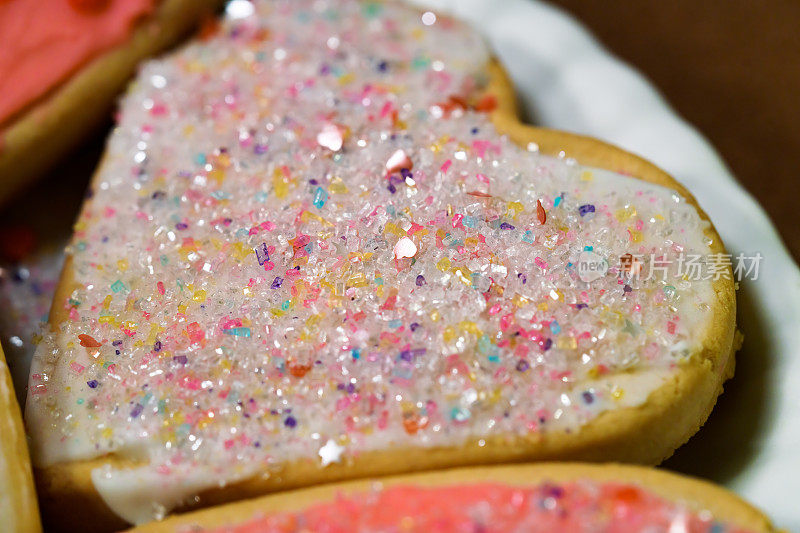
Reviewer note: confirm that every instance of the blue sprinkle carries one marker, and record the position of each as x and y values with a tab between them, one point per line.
528	237
356	353
239	332
588	248
555	328
320	197
557	201
459	415
200	159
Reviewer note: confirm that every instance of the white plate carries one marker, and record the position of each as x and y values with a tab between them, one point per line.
568	81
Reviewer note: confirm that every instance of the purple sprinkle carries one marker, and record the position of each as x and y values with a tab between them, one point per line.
261	253
137	410
585	209
406	355
276	283
181	359
554	491
523	365
627	288
93	384
350	388
506	225
181	225
421	280
116	343
588	397
414	326
290	422
581	306
260	149
547	344
313	182
157	346
523	277
392	188
406	173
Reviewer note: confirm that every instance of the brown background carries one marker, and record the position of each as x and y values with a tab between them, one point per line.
732	68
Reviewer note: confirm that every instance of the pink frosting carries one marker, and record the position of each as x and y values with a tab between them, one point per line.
42	42
579	506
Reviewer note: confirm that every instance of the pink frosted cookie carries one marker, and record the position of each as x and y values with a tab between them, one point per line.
568	497
62	64
321	246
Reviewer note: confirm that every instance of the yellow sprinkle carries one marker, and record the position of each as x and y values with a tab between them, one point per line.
358	280
517	207
199	296
566	343
122	265
337	186
280	184
217	176
519	300
443	264
618	393
469	326
587	175
625	213
636	236
346	78
462	276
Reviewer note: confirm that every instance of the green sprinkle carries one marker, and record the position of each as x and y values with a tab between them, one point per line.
118	286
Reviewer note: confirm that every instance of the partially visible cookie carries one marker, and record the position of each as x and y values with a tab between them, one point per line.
57	85
19	512
545	497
